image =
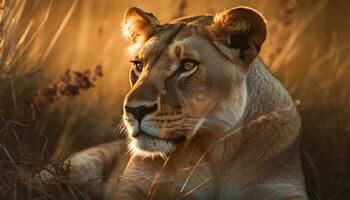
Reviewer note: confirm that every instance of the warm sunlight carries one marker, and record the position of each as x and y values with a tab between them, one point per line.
75	74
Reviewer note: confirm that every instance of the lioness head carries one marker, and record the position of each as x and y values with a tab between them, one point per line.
187	75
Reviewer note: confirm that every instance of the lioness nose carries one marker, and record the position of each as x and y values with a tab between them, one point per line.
140	111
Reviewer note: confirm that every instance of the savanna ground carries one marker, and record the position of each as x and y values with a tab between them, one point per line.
63	75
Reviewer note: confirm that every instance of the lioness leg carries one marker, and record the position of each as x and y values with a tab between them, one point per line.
90	168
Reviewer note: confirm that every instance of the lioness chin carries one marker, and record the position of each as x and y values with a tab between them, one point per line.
205	118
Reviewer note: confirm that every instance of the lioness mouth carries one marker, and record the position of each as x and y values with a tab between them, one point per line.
176	140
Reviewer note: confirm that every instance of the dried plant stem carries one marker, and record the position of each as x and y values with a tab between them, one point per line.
156	180
10	16
283	56
59	31
197	187
33	36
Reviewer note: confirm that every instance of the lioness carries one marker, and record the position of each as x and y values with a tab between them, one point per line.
205	118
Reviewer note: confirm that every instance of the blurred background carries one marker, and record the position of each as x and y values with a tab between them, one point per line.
64	73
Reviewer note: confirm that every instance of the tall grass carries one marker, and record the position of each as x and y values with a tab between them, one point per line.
307	49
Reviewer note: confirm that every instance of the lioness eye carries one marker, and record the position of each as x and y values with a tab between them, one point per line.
138	66
187	67
188	64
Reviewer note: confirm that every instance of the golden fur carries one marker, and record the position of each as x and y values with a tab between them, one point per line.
205	118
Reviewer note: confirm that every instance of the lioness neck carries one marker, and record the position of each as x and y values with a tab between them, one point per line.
265	93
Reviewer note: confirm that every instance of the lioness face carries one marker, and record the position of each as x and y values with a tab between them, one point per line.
183	79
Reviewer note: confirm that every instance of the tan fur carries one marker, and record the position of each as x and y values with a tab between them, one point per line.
241	127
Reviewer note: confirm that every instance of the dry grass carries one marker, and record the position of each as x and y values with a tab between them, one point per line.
307	49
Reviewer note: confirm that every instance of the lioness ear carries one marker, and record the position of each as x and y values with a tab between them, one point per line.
138	24
240	28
